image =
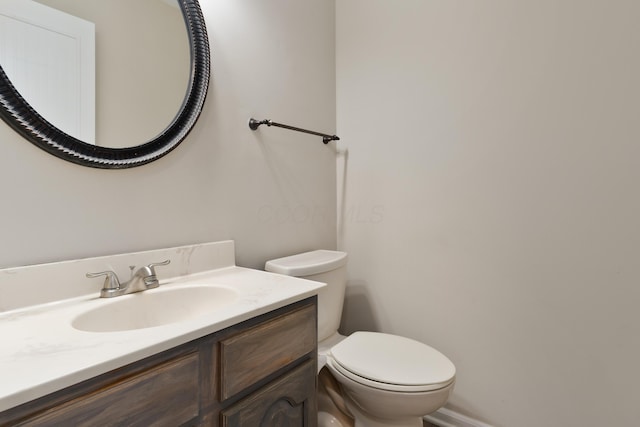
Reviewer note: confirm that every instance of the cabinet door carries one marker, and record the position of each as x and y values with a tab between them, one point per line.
166	395
289	401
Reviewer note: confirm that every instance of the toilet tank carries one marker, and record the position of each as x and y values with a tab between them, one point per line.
324	266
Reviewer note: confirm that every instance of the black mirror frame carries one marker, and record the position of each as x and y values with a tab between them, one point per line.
18	114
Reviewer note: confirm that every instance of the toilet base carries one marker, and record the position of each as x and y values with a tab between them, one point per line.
363	419
332	410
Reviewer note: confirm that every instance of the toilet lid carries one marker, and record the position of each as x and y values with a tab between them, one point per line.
308	263
393	360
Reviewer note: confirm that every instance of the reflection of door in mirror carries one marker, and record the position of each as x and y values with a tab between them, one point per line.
142	66
50	57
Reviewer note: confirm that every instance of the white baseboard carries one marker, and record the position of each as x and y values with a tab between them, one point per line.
444	417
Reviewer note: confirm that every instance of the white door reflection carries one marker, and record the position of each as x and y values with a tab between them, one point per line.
49	56
142	68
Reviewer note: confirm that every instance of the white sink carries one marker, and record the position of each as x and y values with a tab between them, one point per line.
155	307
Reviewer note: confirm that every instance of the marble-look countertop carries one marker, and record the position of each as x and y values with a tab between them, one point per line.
40	351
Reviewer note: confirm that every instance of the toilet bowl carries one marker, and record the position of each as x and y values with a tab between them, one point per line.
385	380
390	380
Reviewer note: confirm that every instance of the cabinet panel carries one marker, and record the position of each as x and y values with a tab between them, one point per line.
288	401
253	354
165	396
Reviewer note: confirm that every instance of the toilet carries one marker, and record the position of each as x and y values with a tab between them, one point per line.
385	380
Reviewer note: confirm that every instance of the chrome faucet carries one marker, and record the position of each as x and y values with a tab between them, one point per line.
143	279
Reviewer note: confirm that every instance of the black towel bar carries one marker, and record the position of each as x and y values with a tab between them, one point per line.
254	124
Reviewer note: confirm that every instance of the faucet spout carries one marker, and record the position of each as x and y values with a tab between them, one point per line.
141	280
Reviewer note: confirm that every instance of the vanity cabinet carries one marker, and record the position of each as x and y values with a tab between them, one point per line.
259	373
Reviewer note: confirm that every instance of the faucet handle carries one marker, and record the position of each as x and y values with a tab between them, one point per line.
153	265
110	281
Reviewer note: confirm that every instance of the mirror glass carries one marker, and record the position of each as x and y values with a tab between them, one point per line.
115	78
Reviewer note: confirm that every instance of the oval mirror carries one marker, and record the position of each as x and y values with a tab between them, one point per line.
103	83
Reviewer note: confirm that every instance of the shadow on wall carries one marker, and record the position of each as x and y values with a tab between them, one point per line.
357	314
342	157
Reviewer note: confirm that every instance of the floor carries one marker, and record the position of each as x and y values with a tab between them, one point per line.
428	424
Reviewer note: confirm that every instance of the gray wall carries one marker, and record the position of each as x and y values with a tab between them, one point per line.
272	191
491	205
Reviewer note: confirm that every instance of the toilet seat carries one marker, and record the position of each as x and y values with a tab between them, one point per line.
391	362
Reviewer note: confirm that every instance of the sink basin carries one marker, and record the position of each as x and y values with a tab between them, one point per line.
155	307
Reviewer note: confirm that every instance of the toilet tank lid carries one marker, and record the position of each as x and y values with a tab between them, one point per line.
307	263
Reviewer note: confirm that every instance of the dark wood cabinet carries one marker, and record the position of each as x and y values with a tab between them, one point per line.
286	402
261	372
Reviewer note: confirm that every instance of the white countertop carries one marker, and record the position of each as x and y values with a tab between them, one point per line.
40	352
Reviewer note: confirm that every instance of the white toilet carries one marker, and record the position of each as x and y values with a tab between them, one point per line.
386	380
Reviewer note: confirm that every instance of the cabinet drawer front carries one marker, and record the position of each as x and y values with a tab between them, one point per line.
287	401
257	352
166	395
